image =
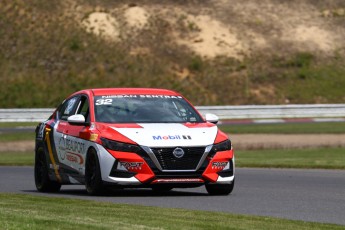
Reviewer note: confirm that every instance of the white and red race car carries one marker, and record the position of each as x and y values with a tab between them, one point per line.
132	137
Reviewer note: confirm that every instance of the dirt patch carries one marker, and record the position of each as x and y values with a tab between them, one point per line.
136	17
17	146
103	25
237	28
286	141
296	25
310	38
209	38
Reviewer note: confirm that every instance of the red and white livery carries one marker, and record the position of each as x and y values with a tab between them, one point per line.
132	137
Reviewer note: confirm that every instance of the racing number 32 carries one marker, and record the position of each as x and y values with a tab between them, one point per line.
104	101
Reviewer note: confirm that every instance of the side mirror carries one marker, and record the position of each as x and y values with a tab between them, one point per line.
211	118
77	119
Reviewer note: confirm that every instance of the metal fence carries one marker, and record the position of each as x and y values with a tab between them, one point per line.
224	112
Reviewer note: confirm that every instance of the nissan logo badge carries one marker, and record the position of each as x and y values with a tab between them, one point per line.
178	152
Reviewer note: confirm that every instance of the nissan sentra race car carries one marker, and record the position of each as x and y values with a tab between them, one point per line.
132	137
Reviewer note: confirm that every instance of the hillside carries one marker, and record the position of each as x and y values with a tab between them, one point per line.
214	52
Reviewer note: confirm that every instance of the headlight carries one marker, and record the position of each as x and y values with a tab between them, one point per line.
119	146
222	146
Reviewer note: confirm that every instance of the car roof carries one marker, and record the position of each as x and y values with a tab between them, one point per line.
117	91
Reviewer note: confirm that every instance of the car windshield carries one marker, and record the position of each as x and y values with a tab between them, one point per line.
144	109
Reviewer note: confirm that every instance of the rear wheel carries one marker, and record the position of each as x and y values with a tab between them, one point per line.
42	180
93	177
220	189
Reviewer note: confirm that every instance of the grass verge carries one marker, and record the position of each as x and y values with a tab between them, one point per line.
287	128
17	124
17	158
321	158
24	136
36	212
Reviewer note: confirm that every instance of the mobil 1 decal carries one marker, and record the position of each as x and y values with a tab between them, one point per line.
172	137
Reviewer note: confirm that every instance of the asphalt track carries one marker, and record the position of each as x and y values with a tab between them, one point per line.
309	195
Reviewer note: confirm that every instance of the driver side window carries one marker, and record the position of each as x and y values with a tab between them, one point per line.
68	108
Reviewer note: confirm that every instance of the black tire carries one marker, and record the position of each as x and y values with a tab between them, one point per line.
93	177
220	189
42	180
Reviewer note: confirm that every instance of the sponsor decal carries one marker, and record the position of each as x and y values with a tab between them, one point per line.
75	158
131	165
171	137
71	150
74	146
120	96
186	137
141	96
160	96
108	100
178	153
219	165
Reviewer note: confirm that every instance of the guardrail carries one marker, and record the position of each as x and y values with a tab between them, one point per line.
276	111
224	112
24	115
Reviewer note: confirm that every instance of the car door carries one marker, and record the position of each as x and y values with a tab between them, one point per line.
71	144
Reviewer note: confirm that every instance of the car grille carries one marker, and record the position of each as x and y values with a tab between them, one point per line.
189	161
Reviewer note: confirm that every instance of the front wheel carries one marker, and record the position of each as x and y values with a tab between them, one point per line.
42	180
93	177
220	189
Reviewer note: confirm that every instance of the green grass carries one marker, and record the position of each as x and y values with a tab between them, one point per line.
36	212
17	124
323	158
17	158
287	128
25	136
